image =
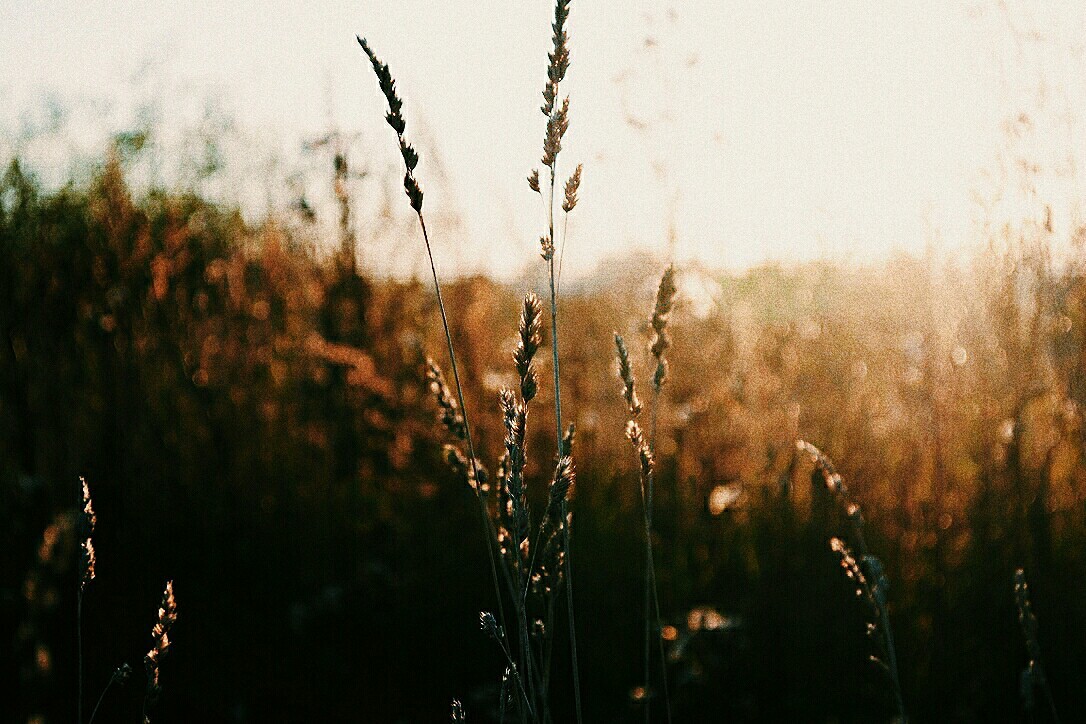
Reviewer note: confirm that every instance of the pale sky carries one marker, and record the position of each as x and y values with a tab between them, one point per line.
758	129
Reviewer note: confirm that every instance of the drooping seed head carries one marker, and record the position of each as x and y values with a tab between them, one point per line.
448	410
533	181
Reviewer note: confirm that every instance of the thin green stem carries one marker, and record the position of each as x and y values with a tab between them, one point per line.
102	698
488	529
561	452
648	491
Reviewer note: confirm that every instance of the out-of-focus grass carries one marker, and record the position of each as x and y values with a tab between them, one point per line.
254	422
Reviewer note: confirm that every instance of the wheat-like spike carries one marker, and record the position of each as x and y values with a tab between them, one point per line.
459	463
625	373
665	298
396	120
527	345
636	437
160	646
87	522
514	415
559	57
561	485
449	414
557	125
572	185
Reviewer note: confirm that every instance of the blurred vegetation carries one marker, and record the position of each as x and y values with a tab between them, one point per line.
254	424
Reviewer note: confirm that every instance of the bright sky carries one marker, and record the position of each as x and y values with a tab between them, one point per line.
756	129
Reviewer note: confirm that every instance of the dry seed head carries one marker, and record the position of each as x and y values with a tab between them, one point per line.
625	373
87	521
637	438
850	566
528	345
559	57
489	624
564	477
449	412
557	125
547	248
396	120
461	466
515	418
572	185
89	561
665	298
533	181
160	637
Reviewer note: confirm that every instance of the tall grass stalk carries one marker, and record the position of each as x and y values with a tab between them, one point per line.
557	115
646	467
415	196
665	298
869	572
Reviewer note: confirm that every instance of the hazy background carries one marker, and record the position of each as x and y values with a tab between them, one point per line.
754	130
871	204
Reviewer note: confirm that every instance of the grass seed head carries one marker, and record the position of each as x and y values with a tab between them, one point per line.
160	646
87	521
661	342
561	485
399	125
625	373
528	344
572	185
448	410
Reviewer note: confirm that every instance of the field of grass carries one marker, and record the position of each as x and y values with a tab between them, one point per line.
286	438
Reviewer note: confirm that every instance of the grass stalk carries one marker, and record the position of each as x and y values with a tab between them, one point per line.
120	675
488	528
395	119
